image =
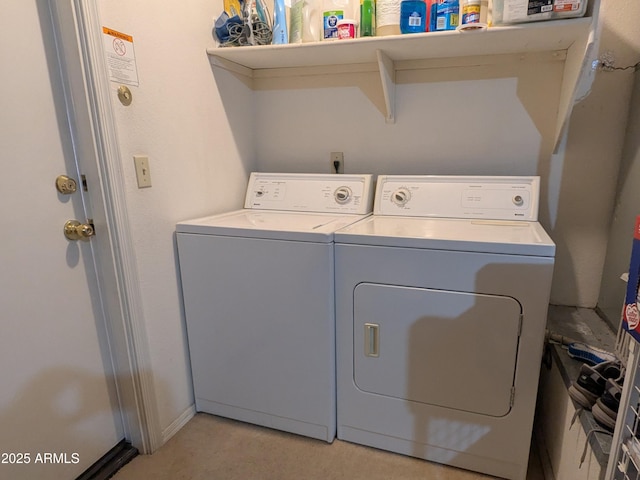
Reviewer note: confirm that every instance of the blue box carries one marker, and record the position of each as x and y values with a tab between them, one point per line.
447	15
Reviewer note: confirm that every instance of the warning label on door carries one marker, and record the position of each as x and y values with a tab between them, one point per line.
121	58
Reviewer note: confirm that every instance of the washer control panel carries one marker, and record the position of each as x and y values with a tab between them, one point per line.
451	196
310	193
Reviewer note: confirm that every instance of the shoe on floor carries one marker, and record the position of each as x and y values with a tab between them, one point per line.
589	354
605	410
592	381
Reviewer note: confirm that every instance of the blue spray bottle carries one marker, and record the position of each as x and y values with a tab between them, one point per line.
280	34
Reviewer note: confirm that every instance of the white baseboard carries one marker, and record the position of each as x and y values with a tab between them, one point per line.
178	423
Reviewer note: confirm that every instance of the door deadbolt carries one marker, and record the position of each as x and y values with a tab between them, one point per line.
74	230
66	185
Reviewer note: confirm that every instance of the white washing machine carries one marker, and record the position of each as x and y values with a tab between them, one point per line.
441	302
258	287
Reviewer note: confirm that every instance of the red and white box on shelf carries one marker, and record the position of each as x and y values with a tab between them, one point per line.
631	310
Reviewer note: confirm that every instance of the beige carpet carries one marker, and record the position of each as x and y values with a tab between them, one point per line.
213	448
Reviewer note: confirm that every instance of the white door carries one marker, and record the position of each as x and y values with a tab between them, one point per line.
59	412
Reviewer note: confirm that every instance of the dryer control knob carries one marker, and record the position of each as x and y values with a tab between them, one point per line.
401	196
342	195
518	200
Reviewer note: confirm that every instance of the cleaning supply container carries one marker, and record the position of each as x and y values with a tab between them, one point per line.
280	31
447	14
333	11
413	16
311	22
519	11
346	29
471	10
367	18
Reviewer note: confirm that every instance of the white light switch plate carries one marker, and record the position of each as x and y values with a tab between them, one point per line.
143	173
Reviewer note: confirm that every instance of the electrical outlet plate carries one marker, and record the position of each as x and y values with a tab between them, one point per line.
143	174
336	157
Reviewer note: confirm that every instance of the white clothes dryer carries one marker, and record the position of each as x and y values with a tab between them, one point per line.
258	288
441	301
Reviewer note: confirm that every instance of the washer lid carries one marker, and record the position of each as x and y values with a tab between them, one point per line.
309	227
487	236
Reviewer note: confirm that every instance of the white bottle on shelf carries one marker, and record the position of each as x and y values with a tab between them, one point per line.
311	21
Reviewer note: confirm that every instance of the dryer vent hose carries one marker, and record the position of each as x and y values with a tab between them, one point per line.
550	337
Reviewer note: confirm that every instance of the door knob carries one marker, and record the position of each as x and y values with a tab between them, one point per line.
74	230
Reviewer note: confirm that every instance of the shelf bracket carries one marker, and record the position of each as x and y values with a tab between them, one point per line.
388	79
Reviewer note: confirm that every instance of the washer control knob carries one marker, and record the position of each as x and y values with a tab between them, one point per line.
401	196
518	200
342	195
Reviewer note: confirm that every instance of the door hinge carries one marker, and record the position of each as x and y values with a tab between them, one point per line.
513	396
83	179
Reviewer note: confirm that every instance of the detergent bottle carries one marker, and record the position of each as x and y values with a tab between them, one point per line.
304	21
311	21
332	12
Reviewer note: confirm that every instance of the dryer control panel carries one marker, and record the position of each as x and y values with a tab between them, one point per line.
452	196
310	193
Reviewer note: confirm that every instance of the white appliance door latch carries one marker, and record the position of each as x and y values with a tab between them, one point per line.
371	339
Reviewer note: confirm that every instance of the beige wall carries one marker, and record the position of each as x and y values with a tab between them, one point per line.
588	173
198	165
204	131
471	121
627	208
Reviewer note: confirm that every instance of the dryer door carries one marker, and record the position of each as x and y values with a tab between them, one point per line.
451	349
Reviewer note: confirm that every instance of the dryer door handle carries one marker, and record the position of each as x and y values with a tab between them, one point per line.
371	339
